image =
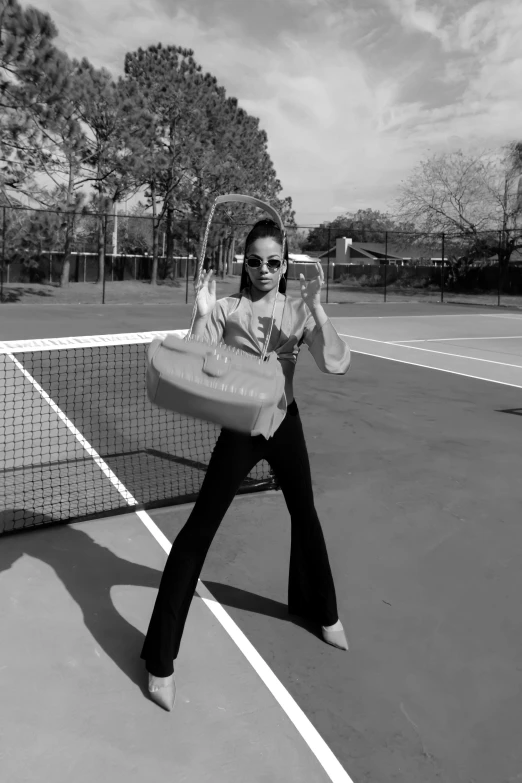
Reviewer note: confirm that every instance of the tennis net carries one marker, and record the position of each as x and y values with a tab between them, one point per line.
80	439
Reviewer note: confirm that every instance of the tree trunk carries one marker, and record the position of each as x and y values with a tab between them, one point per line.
232	252
66	266
504	258
69	230
221	259
170	240
101	244
226	254
154	271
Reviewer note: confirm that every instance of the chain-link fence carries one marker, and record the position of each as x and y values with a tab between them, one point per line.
400	266
50	248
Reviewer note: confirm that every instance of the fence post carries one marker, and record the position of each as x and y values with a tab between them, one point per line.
385	264
500	240
104	256
328	262
187	263
442	268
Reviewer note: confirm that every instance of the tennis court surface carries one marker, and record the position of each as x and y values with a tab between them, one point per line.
416	463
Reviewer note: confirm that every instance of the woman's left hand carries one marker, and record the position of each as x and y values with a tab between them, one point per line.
311	290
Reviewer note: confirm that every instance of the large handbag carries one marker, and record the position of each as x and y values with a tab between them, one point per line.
213	382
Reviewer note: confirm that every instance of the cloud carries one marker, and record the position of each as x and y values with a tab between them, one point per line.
351	94
414	18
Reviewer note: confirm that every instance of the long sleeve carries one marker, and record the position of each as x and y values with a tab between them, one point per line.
215	327
330	352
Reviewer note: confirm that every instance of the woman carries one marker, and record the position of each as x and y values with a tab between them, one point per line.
243	321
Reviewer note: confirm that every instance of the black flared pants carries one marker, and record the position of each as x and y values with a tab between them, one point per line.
311	591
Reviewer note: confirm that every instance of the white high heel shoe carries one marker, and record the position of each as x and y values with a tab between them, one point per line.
334	635
162	691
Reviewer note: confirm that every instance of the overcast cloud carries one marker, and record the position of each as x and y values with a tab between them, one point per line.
352	93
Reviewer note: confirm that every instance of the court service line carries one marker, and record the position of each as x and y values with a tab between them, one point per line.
446	339
430	350
511	316
432	315
427	366
310	735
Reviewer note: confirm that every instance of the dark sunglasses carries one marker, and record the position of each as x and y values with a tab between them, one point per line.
255	263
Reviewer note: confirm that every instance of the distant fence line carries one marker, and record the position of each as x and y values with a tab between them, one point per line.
84	268
386	276
391	262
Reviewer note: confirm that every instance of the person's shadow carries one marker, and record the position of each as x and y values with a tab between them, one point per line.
89	570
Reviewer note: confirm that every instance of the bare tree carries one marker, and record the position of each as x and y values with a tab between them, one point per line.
474	198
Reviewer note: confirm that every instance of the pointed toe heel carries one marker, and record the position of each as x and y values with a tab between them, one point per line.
335	638
163	695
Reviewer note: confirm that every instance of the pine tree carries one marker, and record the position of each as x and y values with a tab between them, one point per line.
112	116
29	81
176	92
234	159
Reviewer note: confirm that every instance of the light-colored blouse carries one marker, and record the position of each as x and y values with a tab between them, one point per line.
232	322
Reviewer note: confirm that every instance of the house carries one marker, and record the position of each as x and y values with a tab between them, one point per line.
348	252
516	258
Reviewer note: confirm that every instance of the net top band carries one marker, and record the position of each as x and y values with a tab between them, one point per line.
93	341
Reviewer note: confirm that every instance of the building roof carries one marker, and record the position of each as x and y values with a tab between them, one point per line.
516	257
377	251
366	250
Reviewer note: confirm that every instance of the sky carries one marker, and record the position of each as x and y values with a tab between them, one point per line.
353	94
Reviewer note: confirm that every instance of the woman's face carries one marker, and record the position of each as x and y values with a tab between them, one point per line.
265	278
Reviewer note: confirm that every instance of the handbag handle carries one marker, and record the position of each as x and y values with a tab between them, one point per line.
255	202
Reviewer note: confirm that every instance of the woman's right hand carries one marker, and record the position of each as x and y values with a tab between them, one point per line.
206	298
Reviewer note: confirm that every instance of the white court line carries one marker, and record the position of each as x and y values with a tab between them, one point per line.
433	315
310	735
511	316
446	339
126	495
426	366
430	350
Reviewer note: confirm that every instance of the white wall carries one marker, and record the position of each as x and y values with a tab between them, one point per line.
342	250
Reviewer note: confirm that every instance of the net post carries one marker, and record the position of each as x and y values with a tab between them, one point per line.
442	268
328	264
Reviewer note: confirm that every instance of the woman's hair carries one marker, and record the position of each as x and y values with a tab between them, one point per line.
262	229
